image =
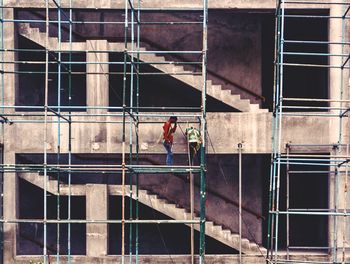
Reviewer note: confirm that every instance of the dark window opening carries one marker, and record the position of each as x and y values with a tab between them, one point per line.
298	81
31	235
306	191
31	81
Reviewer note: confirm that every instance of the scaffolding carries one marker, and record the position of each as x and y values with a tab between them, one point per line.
126	118
301	158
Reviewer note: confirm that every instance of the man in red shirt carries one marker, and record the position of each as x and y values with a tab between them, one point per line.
169	129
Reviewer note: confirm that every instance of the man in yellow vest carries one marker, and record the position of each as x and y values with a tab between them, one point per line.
194	141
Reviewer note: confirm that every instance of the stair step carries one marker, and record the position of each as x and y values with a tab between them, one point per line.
225	94
256	109
215	91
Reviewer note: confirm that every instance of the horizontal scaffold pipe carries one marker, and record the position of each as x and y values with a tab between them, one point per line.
106	221
97	168
105	51
311	213
102	22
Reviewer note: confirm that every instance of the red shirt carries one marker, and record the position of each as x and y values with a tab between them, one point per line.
168	132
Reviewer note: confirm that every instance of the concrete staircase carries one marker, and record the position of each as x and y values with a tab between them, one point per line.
158	62
163	206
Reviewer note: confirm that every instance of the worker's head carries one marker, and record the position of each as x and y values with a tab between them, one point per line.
173	119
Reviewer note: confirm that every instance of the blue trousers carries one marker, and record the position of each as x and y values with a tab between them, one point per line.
169	153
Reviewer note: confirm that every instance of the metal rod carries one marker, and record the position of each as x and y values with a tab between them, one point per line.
105	51
102	221
279	134
58	131
145	9
69	135
190	163
316	42
132	17
158	23
137	129
287	203
240	200
345	210
123	136
204	134
45	129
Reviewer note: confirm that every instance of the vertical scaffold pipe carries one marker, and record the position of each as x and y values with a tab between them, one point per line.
275	127
137	129
69	130
204	134
58	128
2	132
240	147
132	65
345	206
279	127
45	126
287	201
190	163
124	120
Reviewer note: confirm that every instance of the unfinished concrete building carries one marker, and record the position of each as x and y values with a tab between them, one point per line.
86	87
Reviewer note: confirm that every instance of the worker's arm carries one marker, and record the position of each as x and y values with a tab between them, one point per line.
174	128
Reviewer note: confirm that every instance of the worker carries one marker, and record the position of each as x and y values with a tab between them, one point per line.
169	129
194	141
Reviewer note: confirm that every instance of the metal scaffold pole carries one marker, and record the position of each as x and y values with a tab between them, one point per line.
240	146
204	134
45	127
138	32
126	28
2	131
58	200
69	209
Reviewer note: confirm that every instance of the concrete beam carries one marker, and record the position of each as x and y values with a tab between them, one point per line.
225	4
182	259
225	130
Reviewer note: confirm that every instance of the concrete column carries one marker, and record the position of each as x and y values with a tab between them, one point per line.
10	181
96	209
9	43
10	208
97	84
